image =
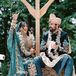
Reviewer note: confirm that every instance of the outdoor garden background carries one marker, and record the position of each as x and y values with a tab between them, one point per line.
65	9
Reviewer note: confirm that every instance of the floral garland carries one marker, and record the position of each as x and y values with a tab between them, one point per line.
57	37
49	42
31	67
22	44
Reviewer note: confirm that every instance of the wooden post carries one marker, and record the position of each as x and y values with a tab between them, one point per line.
37	13
37	26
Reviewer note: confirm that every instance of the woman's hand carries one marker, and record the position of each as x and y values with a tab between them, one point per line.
14	20
32	51
15	16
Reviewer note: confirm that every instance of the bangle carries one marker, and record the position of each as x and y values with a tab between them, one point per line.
13	25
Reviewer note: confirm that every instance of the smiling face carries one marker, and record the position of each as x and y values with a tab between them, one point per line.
53	25
25	29
54	22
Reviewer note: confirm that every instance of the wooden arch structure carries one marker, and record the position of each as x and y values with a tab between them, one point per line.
37	13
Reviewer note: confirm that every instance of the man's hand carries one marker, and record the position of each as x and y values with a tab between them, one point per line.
53	45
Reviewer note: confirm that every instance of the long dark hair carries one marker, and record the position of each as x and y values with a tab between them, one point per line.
23	24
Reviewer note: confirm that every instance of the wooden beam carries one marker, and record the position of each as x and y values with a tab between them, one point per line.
37	14
45	7
31	10
37	3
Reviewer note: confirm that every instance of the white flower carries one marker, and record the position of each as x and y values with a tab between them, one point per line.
61	0
9	9
0	12
2	9
9	22
73	20
29	0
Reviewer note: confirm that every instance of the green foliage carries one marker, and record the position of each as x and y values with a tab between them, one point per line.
66	10
4	69
71	29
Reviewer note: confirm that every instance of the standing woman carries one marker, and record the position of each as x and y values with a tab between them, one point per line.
20	46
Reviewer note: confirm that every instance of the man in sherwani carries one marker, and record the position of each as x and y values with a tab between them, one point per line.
58	37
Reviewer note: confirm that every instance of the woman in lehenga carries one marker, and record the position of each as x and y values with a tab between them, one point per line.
20	45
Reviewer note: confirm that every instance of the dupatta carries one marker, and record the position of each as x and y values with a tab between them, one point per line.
16	63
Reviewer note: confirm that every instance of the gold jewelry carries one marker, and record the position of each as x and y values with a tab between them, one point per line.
13	25
14	21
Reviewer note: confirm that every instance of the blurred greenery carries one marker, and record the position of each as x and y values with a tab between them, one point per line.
65	9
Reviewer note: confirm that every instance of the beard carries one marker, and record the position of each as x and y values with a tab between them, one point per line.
52	30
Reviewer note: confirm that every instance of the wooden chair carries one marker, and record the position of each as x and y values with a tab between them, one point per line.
48	71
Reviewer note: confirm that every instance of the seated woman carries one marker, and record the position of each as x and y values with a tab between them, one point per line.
21	48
